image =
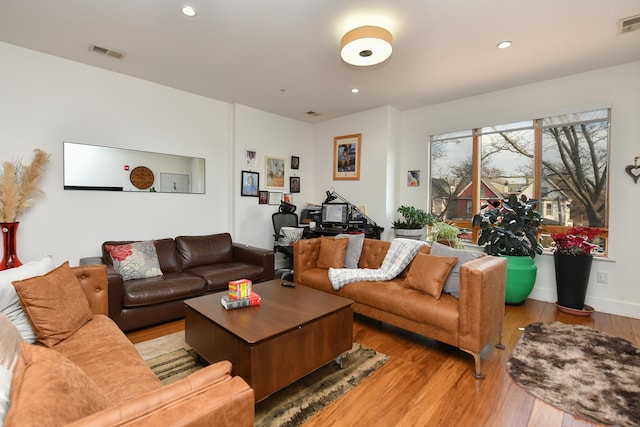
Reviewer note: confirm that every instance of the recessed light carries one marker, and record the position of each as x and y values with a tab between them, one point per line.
189	11
355	90
503	45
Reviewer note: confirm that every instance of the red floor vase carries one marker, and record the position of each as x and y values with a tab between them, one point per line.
9	257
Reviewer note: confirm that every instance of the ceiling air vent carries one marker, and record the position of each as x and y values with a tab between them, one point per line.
106	51
627	25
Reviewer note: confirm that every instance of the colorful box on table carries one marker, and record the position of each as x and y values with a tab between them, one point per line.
239	289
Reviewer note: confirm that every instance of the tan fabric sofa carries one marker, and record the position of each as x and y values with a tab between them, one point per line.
468	323
128	391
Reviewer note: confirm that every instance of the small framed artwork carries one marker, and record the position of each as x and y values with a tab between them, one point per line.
250	183
250	158
275	197
288	198
274	171
263	197
413	179
295	162
346	157
294	184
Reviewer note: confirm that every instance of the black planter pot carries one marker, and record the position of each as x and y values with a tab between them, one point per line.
572	279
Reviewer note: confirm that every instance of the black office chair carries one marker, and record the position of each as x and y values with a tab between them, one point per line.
285	217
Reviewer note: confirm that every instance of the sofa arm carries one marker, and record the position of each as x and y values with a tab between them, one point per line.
208	397
481	305
305	256
254	255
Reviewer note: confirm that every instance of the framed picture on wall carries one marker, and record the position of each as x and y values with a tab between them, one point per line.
295	162
294	184
288	198
275	197
250	158
250	181
263	197
346	157
413	178
274	171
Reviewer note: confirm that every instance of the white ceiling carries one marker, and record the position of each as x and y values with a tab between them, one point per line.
282	56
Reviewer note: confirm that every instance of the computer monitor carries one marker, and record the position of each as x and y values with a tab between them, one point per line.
335	215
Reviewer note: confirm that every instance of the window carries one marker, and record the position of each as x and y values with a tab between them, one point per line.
561	161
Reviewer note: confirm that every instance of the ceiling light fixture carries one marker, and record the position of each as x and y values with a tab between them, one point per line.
189	11
503	45
355	90
365	46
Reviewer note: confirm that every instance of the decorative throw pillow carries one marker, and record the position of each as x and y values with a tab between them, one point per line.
332	252
10	303
354	249
55	304
428	273
452	286
49	388
136	260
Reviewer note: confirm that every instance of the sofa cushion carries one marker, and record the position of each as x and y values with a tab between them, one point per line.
354	249
107	356
373	253
332	252
218	276
428	273
10	303
452	285
138	260
48	386
54	303
196	251
156	290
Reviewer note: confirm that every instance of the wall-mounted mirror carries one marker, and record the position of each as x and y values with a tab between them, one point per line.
92	167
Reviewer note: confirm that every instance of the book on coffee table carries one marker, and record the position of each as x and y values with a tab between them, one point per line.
231	304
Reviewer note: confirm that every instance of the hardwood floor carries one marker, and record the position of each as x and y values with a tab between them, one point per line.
427	383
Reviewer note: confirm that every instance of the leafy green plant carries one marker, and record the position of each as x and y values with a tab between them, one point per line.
412	218
511	228
443	232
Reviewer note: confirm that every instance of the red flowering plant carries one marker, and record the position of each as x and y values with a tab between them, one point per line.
577	241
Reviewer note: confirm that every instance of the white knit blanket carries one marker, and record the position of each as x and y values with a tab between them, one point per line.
401	252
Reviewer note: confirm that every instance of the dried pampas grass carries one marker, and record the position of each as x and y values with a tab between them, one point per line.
19	185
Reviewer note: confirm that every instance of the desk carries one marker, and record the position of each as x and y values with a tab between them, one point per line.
371	233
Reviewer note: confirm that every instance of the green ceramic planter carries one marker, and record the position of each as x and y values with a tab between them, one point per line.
521	277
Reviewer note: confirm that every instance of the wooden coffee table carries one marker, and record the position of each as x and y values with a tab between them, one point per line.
292	333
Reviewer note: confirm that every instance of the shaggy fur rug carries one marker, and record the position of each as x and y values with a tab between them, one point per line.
581	371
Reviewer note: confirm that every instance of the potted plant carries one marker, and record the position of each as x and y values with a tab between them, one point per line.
446	234
572	257
510	229
412	223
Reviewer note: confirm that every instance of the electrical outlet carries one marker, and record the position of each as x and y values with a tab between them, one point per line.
603	277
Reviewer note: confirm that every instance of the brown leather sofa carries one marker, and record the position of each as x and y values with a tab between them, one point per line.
468	323
134	395
191	266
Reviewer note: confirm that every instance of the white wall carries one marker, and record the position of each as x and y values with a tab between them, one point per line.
46	100
374	187
616	87
274	136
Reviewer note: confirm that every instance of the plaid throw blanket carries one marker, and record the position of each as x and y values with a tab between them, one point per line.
400	254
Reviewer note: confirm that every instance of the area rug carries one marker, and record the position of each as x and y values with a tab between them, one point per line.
581	371
172	359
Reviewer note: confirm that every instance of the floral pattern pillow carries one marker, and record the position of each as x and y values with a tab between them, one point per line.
137	260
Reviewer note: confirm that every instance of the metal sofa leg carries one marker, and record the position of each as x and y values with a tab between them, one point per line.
499	343
478	364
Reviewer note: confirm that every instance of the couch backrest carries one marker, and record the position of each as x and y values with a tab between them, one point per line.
165	248
196	251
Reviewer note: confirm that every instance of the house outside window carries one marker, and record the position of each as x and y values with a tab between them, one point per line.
560	161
